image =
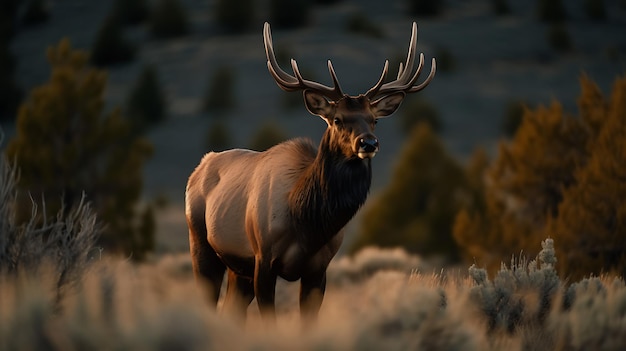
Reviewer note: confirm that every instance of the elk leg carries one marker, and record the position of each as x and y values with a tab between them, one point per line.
207	266
312	288
265	289
239	294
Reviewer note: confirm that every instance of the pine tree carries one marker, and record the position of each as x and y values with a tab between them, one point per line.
131	11
169	19
591	223
219	95
289	13
218	137
66	145
110	46
560	177
10	93
235	16
146	104
524	186
268	135
417	209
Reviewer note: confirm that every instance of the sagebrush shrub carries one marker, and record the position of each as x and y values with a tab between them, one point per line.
158	305
370	260
62	246
521	294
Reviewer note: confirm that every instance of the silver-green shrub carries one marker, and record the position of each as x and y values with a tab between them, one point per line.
521	294
61	245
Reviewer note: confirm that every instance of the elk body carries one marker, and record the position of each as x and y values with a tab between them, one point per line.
280	213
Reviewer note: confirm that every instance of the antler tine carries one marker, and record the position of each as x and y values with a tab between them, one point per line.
374	90
406	78
430	77
400	69
410	59
337	88
288	82
284	80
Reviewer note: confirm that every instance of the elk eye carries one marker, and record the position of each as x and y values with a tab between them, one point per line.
375	121
337	121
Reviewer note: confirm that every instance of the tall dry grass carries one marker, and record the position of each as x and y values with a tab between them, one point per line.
119	305
376	300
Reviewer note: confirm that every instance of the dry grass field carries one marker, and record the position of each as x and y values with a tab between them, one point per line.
378	300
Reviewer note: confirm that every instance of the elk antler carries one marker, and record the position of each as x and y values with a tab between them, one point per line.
288	82
404	82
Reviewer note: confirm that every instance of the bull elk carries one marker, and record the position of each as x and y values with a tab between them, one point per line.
280	212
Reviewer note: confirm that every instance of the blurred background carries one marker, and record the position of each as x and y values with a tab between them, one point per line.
188	76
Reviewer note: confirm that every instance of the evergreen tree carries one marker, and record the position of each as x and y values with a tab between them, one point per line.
218	137
66	145
36	12
591	223
169	19
220	91
146	104
428	8
289	13
130	11
551	10
268	135
417	209
235	16
110	46
560	177
524	186
10	93
418	110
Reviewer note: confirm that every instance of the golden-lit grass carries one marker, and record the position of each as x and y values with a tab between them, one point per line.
373	302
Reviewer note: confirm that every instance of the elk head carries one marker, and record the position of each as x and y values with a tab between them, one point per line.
352	118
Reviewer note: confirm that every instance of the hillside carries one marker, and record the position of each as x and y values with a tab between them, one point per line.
496	60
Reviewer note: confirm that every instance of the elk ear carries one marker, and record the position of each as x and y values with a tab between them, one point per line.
317	104
387	105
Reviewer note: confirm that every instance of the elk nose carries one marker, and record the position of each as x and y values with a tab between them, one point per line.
368	147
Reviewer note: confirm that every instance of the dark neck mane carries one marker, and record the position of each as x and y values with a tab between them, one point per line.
328	194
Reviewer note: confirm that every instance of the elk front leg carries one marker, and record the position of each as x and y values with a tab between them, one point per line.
265	289
312	288
239	294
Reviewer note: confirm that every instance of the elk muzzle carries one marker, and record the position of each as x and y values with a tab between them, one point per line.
366	146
